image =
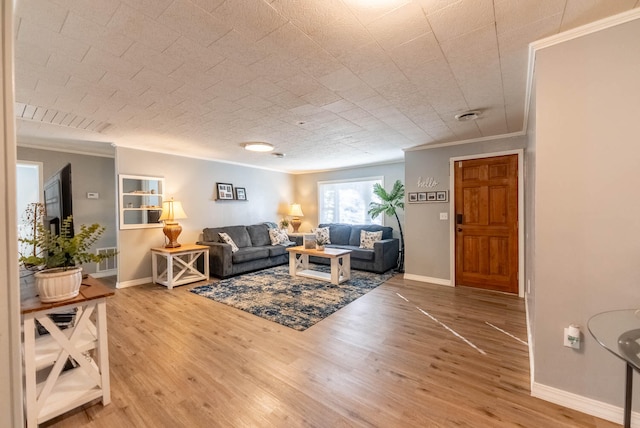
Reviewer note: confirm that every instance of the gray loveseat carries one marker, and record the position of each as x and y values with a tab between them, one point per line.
254	250
382	258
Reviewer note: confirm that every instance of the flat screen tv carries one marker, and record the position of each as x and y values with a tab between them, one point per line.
57	199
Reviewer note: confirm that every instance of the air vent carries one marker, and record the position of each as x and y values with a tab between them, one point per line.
56	117
467	115
110	263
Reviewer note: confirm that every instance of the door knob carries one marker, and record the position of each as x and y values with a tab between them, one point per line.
459	229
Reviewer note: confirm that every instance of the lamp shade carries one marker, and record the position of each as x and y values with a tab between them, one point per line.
172	210
295	210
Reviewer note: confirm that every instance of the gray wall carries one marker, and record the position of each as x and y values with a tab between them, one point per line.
428	237
89	174
306	190
587	227
193	182
529	220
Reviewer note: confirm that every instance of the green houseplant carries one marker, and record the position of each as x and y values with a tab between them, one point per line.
58	255
390	203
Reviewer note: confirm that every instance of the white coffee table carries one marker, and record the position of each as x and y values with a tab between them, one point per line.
340	264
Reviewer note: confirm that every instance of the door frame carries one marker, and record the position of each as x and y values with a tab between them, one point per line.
452	214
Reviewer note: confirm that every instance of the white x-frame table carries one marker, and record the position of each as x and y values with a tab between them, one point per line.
180	267
50	391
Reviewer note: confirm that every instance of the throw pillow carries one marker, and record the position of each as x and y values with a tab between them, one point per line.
368	238
278	236
322	235
226	238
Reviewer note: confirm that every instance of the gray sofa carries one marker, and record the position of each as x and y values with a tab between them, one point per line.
382	258
255	251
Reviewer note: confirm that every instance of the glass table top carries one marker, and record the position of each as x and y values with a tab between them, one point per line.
618	332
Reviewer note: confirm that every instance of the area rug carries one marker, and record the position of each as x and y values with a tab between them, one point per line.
297	302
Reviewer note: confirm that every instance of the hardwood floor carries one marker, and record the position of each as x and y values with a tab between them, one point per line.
385	360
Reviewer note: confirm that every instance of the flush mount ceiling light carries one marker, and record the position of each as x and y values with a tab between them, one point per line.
258	147
467	115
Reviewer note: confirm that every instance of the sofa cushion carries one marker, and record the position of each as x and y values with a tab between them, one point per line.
239	235
354	239
368	238
259	234
247	254
339	233
227	240
278	236
277	250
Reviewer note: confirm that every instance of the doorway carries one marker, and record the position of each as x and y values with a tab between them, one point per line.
486	222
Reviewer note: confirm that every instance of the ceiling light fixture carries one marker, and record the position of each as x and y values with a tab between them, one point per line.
467	115
258	147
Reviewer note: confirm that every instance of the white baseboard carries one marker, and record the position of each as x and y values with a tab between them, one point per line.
110	272
437	281
582	404
134	282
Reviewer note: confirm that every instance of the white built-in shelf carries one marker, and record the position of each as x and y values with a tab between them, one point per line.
140	201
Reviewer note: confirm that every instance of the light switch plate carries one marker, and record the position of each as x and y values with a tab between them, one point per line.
444	216
93	195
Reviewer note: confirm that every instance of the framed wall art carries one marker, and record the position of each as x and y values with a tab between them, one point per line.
241	194
413	197
225	191
442	196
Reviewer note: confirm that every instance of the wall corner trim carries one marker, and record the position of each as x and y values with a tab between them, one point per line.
421	278
582	404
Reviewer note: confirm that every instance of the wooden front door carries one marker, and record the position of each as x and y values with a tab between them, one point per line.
486	206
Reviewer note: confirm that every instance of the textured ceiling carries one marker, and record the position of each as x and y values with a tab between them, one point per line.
330	83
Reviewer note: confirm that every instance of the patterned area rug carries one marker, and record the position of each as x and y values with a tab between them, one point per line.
296	302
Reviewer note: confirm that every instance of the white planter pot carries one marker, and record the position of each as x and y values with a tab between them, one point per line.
55	285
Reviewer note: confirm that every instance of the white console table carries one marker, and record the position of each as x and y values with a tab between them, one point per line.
180	267
50	391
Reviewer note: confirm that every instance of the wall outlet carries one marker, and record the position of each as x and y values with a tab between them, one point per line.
568	343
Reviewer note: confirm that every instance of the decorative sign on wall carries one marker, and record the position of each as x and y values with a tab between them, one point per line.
433	196
428	182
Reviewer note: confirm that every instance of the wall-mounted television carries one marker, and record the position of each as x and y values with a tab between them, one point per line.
58	199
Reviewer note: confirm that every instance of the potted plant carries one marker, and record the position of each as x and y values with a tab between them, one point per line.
390	203
59	256
284	223
320	242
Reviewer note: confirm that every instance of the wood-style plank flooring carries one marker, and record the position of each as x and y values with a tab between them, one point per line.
181	360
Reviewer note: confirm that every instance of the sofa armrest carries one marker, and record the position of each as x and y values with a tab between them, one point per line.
220	258
386	254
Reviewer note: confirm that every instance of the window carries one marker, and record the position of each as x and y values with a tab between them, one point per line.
347	201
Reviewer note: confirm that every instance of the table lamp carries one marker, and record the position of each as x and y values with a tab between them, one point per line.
171	211
296	212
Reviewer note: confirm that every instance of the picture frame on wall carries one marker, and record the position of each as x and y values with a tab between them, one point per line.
422	196
413	197
241	194
431	196
442	196
225	191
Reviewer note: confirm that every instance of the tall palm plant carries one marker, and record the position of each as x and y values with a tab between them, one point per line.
390	203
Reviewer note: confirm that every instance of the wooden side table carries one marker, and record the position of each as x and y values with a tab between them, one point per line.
50	391
180	267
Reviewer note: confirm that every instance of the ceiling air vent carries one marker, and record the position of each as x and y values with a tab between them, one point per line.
56	117
467	115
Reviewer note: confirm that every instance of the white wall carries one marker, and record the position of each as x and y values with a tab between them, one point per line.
587	226
306	190
193	182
